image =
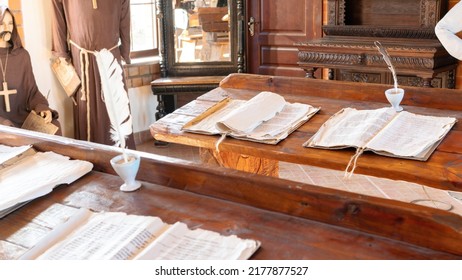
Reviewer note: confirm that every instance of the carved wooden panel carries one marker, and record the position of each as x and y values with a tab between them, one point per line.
416	13
405	29
406	55
441	80
360	77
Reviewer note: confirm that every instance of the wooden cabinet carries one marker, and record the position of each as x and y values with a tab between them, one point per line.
405	29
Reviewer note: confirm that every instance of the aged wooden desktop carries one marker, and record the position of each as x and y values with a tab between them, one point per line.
442	170
292	220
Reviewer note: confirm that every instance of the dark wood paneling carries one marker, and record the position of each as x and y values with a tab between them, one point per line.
281	56
278	25
379	12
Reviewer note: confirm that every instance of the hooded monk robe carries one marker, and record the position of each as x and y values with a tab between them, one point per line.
92	25
19	77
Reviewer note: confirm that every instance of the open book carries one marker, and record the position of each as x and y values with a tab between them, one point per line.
384	132
26	175
266	118
114	235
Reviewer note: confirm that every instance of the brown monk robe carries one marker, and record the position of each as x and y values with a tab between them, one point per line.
19	94
92	25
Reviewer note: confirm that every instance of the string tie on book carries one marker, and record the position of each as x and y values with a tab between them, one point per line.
353	161
217	148
217	144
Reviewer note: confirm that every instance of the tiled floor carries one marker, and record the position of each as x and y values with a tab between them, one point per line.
367	185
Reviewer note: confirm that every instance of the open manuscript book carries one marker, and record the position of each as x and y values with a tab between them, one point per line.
115	235
266	118
383	131
26	174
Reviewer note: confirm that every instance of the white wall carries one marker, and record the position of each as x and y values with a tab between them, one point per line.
143	106
37	33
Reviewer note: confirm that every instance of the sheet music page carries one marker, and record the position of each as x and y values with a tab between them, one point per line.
252	113
410	134
112	235
37	175
181	243
351	128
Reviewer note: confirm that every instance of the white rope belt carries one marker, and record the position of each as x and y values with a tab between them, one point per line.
84	89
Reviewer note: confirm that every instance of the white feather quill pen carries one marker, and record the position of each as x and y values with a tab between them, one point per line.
387	59
115	97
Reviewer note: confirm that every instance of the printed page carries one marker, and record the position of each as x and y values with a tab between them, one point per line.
208	124
44	172
265	118
252	113
351	128
291	116
58	234
7	153
103	236
411	135
181	243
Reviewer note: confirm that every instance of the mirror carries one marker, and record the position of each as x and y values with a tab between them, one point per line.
201	37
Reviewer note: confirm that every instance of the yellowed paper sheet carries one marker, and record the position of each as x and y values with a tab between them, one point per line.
115	235
384	132
67	76
37	123
266	118
44	172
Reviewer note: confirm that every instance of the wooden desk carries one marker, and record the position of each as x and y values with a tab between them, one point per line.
174	92
292	220
443	169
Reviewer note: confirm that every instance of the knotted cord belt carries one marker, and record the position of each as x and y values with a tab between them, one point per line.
84	89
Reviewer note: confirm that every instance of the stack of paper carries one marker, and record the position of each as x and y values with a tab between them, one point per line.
26	174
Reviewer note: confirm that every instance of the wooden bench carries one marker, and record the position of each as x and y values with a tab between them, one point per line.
443	170
292	220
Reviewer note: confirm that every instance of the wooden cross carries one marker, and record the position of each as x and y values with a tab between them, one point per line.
7	93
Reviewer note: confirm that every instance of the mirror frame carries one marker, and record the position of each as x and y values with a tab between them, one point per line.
168	65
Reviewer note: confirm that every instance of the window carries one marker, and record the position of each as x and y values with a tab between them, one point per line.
143	28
